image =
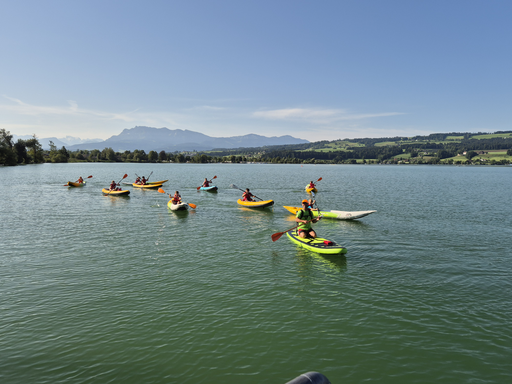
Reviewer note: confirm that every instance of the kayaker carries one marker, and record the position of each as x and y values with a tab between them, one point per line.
247	196
137	180
305	218
311	204
143	181
206	183
176	199
311	185
80	180
113	186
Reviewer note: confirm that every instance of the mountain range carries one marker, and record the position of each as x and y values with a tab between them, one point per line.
59	143
164	139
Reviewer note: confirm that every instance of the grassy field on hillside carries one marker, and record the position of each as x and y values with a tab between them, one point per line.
492	136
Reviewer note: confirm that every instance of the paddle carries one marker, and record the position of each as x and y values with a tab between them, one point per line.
193	206
234	186
277	236
88	177
119	182
213	178
147	178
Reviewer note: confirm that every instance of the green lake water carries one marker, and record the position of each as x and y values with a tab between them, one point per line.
102	289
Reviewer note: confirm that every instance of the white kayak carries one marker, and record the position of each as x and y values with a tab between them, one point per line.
337	215
177	207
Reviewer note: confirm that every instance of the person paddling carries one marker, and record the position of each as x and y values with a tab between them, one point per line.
206	183
176	199
80	180
137	180
143	180
247	196
311	185
305	218
113	186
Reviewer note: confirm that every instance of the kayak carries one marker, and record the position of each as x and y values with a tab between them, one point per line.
177	207
256	204
337	215
318	244
115	193
148	183
147	186
309	190
212	188
73	184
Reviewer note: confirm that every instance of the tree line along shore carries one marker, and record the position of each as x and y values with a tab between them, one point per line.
440	148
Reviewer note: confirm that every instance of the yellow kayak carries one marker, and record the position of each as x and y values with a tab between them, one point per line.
147	186
73	184
309	190
115	193
256	204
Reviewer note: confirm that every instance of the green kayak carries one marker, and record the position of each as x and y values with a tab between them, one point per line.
317	244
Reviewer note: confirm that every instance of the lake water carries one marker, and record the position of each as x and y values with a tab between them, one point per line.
102	289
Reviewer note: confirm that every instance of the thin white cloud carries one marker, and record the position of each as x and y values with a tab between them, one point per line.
21	108
317	115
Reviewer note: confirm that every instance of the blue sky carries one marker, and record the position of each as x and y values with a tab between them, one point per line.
317	70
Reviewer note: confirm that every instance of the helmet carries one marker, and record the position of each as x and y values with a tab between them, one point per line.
305	201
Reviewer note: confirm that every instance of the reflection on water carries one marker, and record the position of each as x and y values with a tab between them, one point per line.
304	259
206	296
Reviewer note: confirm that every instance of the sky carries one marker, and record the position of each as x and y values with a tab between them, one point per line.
315	70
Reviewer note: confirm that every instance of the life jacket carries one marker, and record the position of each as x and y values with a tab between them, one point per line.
247	196
302	214
206	184
176	199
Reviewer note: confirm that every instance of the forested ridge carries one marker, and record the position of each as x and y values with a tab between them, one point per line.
436	148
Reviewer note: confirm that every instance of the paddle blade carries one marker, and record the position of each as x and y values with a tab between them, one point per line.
277	236
161	190
214	177
89	177
193	206
198	188
125	176
319	179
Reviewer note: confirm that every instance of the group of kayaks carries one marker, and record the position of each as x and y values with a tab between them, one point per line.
317	244
125	192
